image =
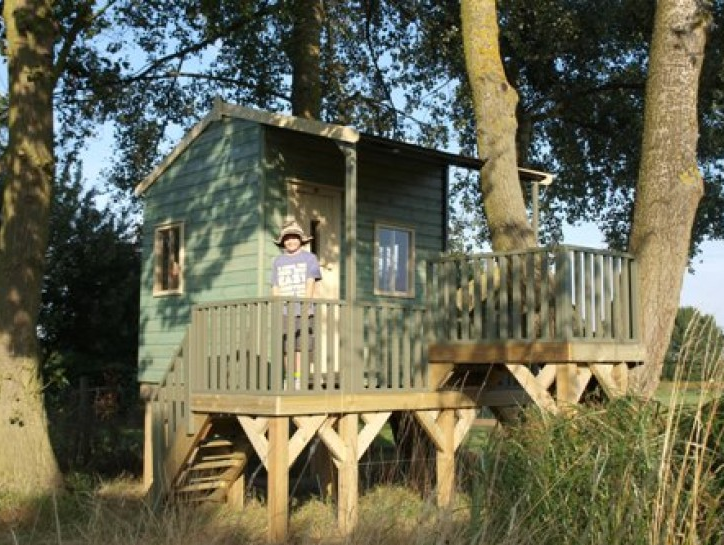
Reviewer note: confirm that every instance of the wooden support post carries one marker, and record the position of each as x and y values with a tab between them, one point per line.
446	458
566	384
620	374
348	482
148	447
235	495
278	479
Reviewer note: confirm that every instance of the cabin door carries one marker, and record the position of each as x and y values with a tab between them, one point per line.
318	210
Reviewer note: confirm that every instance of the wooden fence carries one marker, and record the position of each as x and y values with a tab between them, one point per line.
560	293
243	347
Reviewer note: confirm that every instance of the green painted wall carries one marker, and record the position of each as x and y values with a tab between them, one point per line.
399	191
229	190
213	188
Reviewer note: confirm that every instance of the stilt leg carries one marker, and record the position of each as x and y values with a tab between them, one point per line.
446	458
348	487
278	479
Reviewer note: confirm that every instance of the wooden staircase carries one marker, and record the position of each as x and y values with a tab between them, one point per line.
215	468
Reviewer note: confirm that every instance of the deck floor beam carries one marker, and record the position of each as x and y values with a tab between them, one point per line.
536	352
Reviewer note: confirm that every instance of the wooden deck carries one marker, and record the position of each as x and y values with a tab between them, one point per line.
497	330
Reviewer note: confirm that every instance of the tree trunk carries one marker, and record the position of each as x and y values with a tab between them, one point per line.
495	101
29	464
304	52
669	185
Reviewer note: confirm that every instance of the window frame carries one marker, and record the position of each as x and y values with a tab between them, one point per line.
410	231
159	255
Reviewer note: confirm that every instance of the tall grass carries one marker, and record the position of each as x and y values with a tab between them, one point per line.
628	472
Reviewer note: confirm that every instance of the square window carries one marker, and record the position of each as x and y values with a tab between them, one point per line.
168	253
394	261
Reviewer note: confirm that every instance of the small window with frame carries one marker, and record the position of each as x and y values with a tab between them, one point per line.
394	261
168	250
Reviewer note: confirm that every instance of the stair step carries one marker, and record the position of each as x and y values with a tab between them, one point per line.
216	464
216	443
226	456
212	484
204	496
206	479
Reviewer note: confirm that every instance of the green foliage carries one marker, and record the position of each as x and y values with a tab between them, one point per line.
627	472
696	339
150	70
578	478
88	328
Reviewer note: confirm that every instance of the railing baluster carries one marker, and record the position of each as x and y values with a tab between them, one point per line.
625	286
464	306
516	301
504	311
357	360
579	286
634	280
449	299
303	372
545	296
606	276
269	339
531	288
589	322
385	347
395	347
564	329
477	295
491	295
598	283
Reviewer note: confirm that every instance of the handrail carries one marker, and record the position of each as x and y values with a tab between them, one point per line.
170	404
240	346
557	293
550	249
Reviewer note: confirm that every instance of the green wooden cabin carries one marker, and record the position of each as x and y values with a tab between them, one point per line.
214	206
400	326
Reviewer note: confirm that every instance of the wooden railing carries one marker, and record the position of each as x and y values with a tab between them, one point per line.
241	347
559	293
170	419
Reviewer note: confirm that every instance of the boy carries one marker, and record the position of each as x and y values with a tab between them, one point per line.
294	274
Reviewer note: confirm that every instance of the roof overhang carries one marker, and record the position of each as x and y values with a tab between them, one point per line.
396	147
339	133
222	109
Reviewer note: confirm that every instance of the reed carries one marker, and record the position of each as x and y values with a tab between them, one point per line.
627	472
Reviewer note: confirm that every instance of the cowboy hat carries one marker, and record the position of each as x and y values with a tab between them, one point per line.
291	227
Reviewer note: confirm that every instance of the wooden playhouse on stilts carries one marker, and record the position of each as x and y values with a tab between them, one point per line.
400	326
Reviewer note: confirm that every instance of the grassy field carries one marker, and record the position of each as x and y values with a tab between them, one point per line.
626	472
688	393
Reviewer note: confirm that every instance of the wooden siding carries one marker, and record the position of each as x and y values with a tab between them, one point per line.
213	188
399	191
